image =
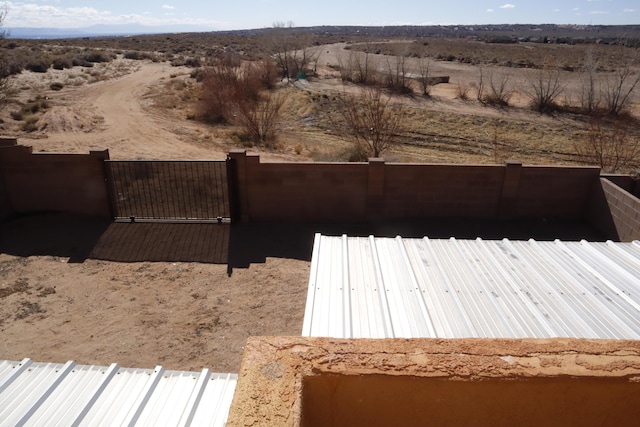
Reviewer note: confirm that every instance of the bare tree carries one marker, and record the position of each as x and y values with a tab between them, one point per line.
293	56
260	120
372	121
424	76
493	88
357	67
609	145
499	89
545	87
397	79
620	86
590	96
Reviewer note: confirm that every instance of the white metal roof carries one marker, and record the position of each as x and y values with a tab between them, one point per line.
372	287
44	394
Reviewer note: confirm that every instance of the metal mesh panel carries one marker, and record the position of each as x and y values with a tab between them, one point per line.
172	190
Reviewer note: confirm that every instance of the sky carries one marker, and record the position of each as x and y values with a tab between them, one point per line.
248	14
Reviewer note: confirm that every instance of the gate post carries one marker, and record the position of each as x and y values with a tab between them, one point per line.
237	182
103	157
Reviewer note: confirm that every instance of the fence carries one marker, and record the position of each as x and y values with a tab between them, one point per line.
169	190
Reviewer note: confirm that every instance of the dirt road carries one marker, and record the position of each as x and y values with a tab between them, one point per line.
116	114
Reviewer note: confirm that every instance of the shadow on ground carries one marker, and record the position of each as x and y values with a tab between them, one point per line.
240	245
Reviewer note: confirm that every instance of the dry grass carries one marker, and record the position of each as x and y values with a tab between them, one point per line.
443	127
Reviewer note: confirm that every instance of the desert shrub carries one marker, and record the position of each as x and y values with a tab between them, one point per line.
56	86
462	91
80	62
424	77
37	66
358	68
33	106
397	79
96	56
62	63
193	62
493	89
136	55
224	84
293	56
30	124
259	120
239	96
610	144
619	88
545	87
370	119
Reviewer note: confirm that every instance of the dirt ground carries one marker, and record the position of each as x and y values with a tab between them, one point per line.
165	295
182	296
99	293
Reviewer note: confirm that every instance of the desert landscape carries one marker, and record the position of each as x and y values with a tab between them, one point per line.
69	293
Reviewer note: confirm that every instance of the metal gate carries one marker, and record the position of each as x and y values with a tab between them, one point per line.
169	190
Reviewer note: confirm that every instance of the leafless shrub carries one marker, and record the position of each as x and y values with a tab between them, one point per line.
480	84
498	92
545	86
590	90
239	95
357	67
620	86
371	120
397	80
609	144
293	56
259	120
502	148
424	76
225	84
462	91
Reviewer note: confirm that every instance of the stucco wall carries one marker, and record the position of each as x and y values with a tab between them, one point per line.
292	381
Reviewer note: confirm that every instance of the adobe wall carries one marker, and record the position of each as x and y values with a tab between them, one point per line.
298	381
360	192
44	182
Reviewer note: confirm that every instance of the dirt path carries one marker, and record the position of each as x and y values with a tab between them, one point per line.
115	114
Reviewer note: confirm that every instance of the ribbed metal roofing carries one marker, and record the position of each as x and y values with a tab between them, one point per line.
384	287
43	394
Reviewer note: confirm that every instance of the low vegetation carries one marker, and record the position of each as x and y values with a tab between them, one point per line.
252	86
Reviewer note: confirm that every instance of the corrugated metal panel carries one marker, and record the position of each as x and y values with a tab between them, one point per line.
49	394
383	287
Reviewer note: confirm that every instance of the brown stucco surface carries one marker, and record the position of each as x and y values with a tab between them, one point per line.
275	369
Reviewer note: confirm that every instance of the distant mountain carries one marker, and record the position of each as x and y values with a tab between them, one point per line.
100	31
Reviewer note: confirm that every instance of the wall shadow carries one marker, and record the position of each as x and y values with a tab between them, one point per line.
164	242
251	243
53	234
240	245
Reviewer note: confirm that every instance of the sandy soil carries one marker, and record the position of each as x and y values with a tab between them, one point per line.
74	289
115	114
165	294
142	295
